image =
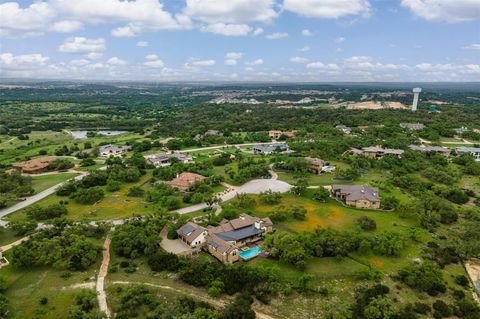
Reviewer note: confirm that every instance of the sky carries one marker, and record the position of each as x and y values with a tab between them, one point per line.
241	40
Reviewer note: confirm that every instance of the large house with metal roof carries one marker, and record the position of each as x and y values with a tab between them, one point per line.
376	152
359	196
225	241
474	151
272	148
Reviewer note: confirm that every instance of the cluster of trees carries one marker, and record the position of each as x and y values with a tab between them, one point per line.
88	190
135	300
248	168
43	213
62	246
13	185
85	306
296	248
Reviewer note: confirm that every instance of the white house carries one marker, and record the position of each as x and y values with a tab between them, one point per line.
113	150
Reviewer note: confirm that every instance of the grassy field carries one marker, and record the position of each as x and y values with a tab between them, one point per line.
42	182
14	150
115	205
7	236
27	286
332	215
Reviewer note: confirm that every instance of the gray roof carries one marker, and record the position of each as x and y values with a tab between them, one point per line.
413	126
358	192
113	148
433	149
239	234
376	149
167	157
464	149
271	148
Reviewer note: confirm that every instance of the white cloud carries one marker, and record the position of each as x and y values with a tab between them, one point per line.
322	66
328	9
304	49
234	55
340	40
473	46
116	61
195	62
17	22
139	16
153	61
444	10
231	62
94	55
232	11
254	62
298	59
82	45
307	33
257	31
142	44
276	35
10	59
227	29
66	26
151	57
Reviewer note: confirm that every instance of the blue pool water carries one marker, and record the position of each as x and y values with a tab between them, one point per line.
253	252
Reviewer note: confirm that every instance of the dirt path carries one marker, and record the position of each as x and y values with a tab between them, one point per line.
11	245
216	302
473	270
101	294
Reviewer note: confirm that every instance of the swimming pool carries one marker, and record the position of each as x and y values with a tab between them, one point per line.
251	253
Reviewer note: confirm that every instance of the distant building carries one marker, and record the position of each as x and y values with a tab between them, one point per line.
35	166
315	164
376	152
162	160
213	133
412	126
112	150
276	134
359	196
345	129
474	151
226	240
270	149
431	149
185	179
460	130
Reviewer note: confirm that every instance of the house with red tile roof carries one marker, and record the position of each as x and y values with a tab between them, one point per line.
185	180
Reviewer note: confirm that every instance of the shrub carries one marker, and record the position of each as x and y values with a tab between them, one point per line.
366	223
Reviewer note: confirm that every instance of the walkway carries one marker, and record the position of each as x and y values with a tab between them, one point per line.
101	294
11	245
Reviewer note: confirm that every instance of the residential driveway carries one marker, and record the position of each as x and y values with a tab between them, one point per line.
255	186
175	246
35	198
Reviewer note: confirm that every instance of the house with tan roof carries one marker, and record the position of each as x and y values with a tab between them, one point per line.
227	240
359	196
275	134
35	166
315	165
185	180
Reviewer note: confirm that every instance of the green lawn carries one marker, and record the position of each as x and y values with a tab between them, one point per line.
26	288
41	183
7	236
115	205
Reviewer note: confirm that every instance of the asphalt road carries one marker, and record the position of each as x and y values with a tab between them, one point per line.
35	198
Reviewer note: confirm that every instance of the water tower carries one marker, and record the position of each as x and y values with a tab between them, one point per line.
416	93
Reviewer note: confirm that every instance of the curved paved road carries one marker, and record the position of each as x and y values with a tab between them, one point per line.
35	198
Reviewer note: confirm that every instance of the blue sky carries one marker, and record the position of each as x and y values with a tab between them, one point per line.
241	40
